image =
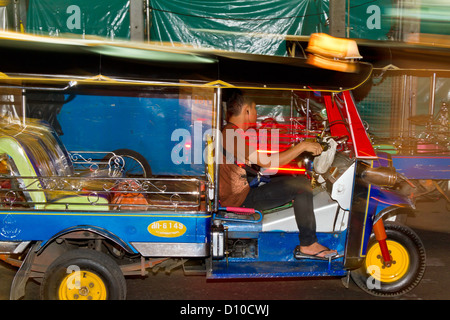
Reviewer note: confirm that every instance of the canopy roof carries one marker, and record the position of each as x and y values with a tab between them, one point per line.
35	58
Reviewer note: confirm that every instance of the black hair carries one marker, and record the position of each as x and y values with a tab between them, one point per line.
235	100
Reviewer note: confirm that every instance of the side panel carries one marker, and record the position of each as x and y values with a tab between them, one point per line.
157	227
423	167
360	223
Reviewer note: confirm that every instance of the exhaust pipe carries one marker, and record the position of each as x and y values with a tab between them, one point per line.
380	176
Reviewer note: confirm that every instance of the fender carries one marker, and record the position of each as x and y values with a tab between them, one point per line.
393	209
389	201
93	229
369	204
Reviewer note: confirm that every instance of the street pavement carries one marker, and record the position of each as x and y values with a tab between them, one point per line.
432	223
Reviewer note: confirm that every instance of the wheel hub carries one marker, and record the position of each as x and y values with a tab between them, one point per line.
393	271
82	285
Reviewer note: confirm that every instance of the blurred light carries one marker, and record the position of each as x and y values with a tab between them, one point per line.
327	46
332	53
267	151
285	170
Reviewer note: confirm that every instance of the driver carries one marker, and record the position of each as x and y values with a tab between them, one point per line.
234	189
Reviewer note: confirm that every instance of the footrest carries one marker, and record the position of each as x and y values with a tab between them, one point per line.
239	214
271	269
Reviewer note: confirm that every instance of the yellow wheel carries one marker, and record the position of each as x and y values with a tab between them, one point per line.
82	285
83	274
399	265
407	267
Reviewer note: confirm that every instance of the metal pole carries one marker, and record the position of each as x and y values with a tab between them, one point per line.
136	20
217	146
337	18
432	94
402	104
16	16
24	106
148	18
348	19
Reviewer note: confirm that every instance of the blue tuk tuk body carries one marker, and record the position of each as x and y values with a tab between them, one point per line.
58	212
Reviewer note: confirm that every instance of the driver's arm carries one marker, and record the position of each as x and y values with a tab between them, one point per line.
282	158
245	148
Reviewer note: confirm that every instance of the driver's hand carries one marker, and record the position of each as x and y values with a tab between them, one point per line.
313	147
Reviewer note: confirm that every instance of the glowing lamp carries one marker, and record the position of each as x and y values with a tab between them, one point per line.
333	53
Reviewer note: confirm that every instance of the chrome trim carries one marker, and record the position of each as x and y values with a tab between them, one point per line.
169	249
13	247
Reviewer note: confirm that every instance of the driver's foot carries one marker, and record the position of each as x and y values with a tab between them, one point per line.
317	250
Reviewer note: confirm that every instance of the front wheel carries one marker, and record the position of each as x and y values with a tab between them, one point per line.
407	268
83	274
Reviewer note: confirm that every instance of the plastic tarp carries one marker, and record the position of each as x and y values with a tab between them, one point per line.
104	18
260	27
251	26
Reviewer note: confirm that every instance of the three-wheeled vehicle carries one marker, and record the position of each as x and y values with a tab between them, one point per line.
79	222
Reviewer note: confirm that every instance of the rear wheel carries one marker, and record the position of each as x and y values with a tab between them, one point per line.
83	274
407	268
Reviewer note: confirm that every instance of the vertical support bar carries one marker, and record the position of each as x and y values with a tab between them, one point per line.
432	94
410	104
291	118
308	119
217	145
16	16
348	28
24	107
136	20
337	18
148	18
402	105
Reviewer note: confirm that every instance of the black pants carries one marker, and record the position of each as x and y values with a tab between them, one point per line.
279	191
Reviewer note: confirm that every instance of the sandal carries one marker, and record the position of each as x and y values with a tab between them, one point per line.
300	255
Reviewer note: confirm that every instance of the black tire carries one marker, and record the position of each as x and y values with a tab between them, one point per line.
138	162
397	216
109	281
411	261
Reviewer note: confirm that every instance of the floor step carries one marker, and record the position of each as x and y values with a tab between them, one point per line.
270	269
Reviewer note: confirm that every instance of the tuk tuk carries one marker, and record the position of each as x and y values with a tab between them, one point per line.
79	222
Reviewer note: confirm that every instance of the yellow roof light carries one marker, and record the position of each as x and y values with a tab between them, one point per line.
332	53
327	46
